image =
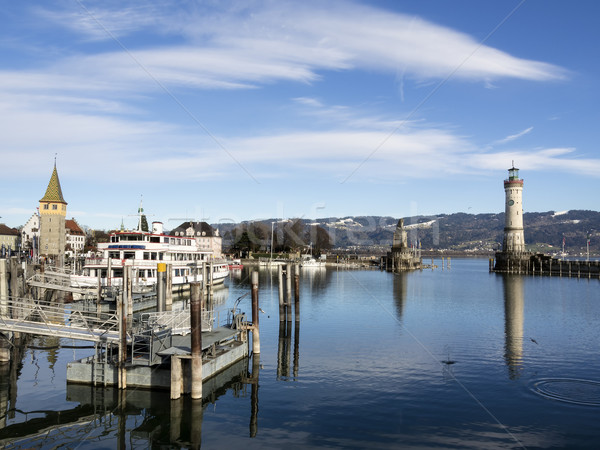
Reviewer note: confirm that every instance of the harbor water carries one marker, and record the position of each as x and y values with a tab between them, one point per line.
448	358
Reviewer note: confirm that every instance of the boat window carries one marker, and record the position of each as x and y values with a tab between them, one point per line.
160	256
146	255
113	255
128	255
153	256
154	239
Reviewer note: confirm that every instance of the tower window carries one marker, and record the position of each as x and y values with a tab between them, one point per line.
54	206
45	205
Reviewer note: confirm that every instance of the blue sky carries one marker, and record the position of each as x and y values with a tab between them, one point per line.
229	110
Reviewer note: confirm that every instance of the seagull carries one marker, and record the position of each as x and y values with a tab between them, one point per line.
534	341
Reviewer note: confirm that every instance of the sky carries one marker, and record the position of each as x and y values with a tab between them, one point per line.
225	111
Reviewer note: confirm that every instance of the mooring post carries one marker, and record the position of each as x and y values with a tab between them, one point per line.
297	292
161	269
175	378
3	288
210	280
204	277
255	320
99	292
129	288
122	317
281	303
109	271
4	339
169	288
196	338
288	292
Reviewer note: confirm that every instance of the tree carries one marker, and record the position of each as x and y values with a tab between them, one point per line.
293	235
320	239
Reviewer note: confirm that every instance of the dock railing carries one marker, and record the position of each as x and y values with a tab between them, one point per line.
25	316
177	321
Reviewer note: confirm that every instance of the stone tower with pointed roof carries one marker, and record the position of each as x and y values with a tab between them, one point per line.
53	210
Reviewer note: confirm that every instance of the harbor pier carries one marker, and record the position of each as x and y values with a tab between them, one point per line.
541	264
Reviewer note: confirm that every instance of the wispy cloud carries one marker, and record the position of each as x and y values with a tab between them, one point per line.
513	137
238	46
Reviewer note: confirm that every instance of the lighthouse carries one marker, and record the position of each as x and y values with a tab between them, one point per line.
514	240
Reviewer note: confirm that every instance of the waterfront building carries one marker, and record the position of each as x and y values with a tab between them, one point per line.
53	210
30	235
9	240
207	238
75	237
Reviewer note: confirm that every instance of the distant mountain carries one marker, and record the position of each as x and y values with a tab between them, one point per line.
476	233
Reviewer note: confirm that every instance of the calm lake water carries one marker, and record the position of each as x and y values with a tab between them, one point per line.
453	358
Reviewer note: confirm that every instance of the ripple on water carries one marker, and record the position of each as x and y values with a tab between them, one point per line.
580	392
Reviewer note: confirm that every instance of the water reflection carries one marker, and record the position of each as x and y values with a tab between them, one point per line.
400	288
105	416
513	323
284	350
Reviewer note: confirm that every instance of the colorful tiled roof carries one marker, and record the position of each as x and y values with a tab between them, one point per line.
54	192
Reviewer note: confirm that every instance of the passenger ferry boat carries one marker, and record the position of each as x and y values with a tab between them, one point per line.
143	251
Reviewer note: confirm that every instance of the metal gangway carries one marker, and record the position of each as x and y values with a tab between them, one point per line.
58	279
23	315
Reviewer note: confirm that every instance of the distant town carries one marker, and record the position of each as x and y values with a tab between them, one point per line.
555	232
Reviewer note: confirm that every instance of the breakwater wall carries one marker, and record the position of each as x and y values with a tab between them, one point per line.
540	264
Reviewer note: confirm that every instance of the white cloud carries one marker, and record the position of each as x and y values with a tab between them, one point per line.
512	137
238	46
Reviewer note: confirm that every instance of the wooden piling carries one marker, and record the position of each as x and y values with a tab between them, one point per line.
210	279
196	338
161	269
288	292
255	320
168	288
99	292
108	272
128	288
3	288
122	315
281	302
297	292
